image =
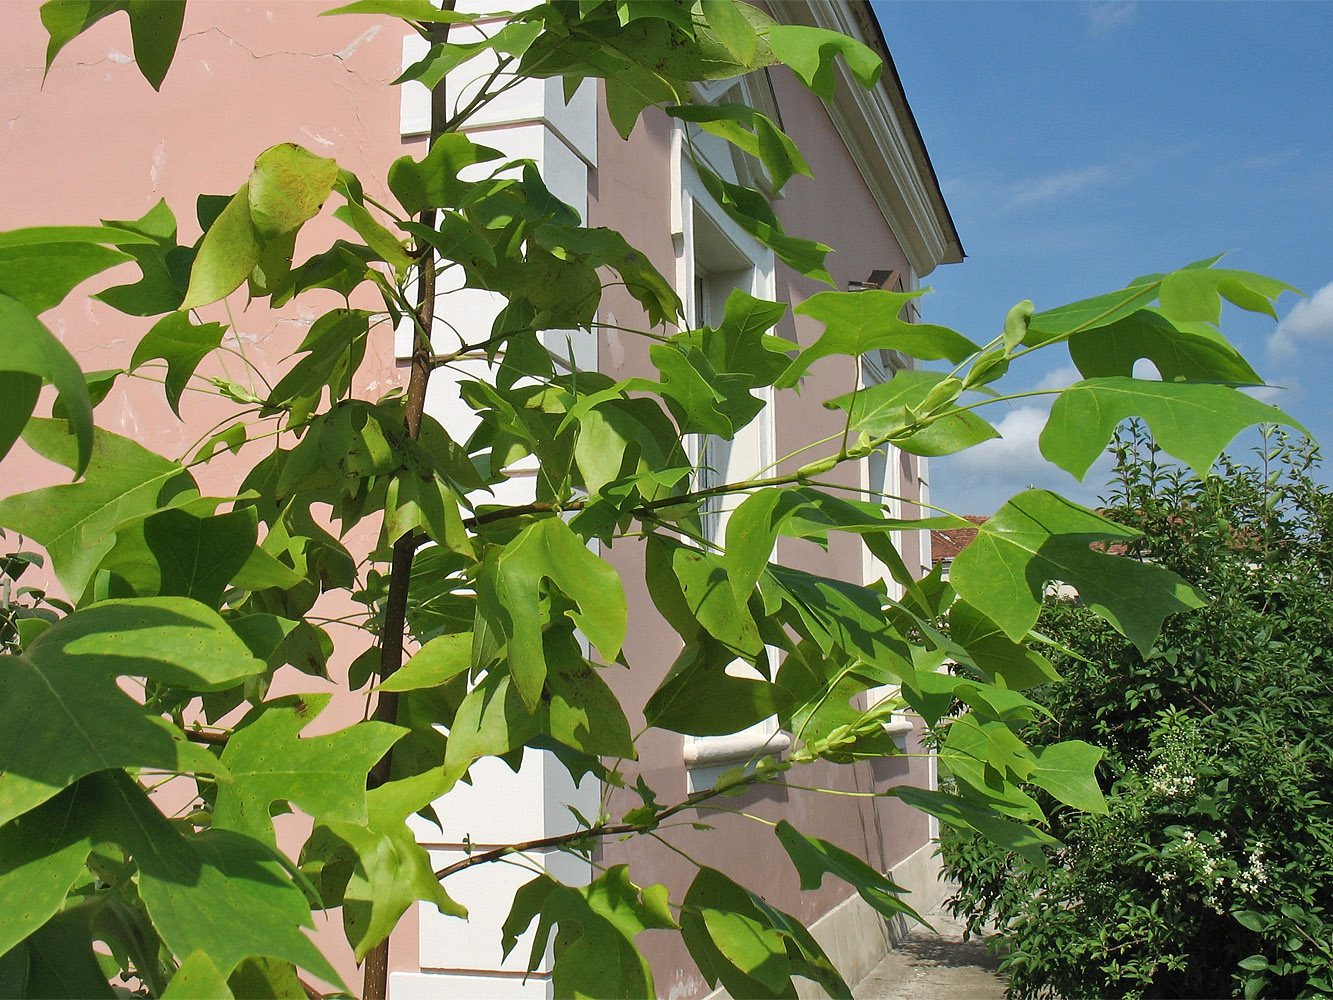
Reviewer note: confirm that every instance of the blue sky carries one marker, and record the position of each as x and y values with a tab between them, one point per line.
1080	145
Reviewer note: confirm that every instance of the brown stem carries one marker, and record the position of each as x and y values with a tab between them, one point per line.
207	736
375	975
605	830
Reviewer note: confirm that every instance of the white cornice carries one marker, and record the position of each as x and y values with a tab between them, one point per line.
879	132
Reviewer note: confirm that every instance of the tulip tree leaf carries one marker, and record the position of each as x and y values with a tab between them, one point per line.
41	855
433	181
164	265
509	593
76	522
28	348
1068	771
172	640
199	556
857	323
61	720
218	891
269	761
253	236
1013	663
699	698
441	658
40	275
814	858
810	53
1190	421
595	955
1023	839
197	979
1181	352
893	408
1195	293
752	948
1038	537
182	345
391	871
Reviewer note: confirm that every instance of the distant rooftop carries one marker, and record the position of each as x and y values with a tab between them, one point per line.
945	544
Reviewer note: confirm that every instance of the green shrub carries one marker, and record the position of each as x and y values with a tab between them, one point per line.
1212	873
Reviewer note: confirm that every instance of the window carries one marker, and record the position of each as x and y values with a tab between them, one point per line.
715	258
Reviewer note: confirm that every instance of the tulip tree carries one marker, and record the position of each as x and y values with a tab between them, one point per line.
183	605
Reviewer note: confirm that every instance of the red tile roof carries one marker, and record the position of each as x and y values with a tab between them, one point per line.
948	542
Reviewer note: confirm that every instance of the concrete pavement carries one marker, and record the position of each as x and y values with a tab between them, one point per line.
929	966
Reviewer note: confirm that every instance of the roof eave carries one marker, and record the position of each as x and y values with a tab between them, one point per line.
883	137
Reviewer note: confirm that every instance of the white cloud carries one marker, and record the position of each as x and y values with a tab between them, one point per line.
1061	185
979	480
1059	378
1109	16
1015	452
1310	321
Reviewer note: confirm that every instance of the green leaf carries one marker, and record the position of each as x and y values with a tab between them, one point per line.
752	212
198	979
386	245
699	698
1012	663
1087	314
1023	839
335	346
199	556
731	938
1038	537
509	591
76	522
857	323
230	250
732	28
155	26
62	718
595	954
810	53
255	233
172	640
1194	293
1192	422
27	347
841	615
1181	352
895	409
582	712
692	586
409	10
814	858
433	181
40	275
491	721
18	398
434	663
821	715
41	855
60	958
1068	771
269	762
164	265
751	132
287	188
181	344
392	871
216	891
